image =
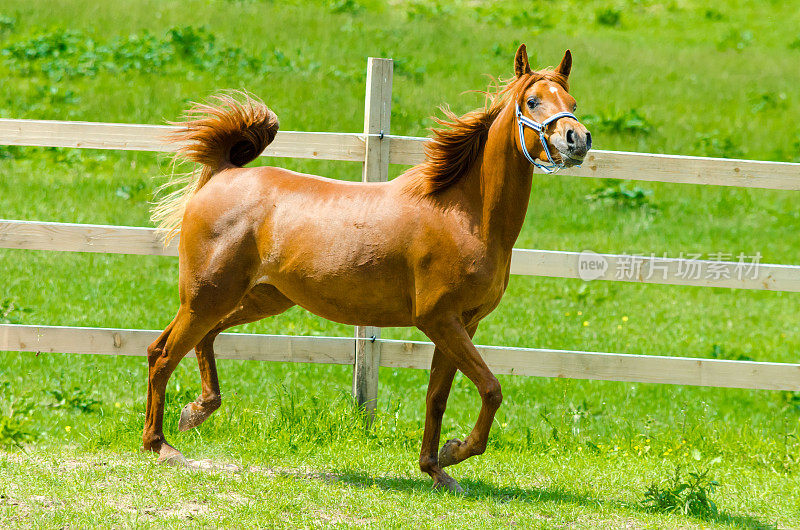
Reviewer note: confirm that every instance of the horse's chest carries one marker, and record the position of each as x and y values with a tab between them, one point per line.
492	294
482	283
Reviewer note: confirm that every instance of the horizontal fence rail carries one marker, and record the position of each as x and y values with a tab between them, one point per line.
241	346
412	354
69	237
410	150
745	274
690	170
131	137
34	235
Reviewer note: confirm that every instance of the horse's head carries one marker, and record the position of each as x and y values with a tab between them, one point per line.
550	136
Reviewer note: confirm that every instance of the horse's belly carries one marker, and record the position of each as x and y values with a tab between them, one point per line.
349	298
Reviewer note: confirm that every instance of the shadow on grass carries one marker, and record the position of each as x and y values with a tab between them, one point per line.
482	490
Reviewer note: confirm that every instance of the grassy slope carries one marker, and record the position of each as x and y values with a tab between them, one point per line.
675	63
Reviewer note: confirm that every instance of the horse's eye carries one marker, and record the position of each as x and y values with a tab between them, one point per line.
533	103
574	107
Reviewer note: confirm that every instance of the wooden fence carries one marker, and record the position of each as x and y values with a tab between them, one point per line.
375	148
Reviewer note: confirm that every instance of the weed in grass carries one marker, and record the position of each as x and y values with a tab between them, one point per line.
791	401
508	49
14	427
74	398
63	156
795	44
70	53
46	97
345	6
716	145
505	15
782	462
688	494
713	15
138	190
628	122
620	196
718	352
768	101
55	97
407	68
530	19
579	414
585	294
416	10
10	311
7	23
15	415
735	40
13	152
608	16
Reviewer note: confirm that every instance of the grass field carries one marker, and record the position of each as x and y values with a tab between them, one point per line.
684	76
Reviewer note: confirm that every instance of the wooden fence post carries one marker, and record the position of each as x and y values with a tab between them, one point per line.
377	115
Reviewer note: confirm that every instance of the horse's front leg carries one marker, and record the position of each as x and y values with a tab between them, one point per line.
441	380
452	338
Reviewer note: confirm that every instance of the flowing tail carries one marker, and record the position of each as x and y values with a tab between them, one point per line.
232	129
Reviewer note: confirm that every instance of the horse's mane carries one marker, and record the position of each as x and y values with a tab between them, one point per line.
453	150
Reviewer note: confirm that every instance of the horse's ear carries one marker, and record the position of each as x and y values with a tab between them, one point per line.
566	64
521	64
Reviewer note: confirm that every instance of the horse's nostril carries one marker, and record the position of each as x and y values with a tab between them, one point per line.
588	140
571	137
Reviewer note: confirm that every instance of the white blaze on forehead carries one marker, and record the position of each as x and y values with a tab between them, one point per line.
553	90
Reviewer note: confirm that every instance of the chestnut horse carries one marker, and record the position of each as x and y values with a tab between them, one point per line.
431	247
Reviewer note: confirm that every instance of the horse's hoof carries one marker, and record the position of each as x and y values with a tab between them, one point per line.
172	457
191	418
448	483
447	455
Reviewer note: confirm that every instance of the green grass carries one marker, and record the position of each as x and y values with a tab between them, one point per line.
686	77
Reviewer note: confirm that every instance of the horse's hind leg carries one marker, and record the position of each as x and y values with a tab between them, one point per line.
210	399
206	297
163	356
261	302
154	349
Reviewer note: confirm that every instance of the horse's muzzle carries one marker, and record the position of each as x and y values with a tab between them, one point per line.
573	144
578	141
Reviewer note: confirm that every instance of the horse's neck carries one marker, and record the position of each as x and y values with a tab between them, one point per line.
503	180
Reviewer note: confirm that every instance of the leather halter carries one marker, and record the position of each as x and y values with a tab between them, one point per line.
523	121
